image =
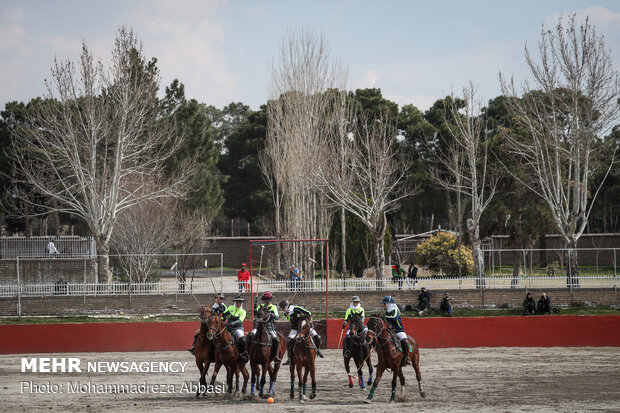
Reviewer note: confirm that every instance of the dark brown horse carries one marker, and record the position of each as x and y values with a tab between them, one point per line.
303	357
204	351
390	357
259	352
227	352
359	351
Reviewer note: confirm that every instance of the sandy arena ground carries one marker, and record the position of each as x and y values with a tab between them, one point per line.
481	379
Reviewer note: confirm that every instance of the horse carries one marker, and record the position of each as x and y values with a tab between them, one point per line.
227	352
204	351
303	357
259	352
360	351
391	357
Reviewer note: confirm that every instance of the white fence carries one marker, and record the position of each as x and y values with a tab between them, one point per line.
37	247
231	287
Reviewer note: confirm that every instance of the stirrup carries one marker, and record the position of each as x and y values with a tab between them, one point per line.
191	350
347	352
287	362
318	352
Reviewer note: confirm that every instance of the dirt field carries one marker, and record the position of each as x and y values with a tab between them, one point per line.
481	379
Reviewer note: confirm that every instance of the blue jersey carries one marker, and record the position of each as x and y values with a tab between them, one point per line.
394	320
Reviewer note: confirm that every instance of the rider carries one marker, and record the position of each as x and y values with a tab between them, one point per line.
295	314
218	306
392	316
234	316
266	304
354	308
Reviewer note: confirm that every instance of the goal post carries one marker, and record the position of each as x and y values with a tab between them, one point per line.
275	258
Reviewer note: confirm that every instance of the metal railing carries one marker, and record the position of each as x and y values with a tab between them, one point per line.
277	286
38	247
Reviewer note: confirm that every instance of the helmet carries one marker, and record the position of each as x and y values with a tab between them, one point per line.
355	298
243	265
238	298
388	299
267	296
220	295
284	304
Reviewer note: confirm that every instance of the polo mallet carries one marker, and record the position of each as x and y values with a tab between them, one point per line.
338	348
260	264
209	276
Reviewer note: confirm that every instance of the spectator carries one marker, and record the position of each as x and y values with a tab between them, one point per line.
60	287
544	304
412	275
398	275
51	249
446	304
424	301
295	277
243	279
529	306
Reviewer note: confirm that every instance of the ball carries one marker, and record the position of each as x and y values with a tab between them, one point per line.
270	400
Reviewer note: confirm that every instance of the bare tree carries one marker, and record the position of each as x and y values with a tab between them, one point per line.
143	231
466	168
300	113
571	102
369	185
93	149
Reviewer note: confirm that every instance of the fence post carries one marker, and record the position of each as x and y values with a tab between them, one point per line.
19	291
615	275
84	286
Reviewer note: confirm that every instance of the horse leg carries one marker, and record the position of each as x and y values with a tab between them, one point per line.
272	380
415	362
292	368
360	373
380	370
347	361
229	377
254	368
300	382
237	371
395	373
313	378
261	390
246	376
202	381
369	363
216	370
403	393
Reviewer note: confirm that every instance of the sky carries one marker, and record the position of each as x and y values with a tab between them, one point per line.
414	51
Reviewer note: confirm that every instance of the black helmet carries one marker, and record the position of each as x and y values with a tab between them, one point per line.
238	298
220	295
284	304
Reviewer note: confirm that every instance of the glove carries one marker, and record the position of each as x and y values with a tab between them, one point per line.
344	324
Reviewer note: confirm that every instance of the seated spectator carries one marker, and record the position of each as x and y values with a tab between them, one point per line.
544	304
446	304
529	306
424	300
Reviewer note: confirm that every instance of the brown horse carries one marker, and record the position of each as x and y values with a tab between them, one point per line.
204	351
227	352
259	352
303	357
360	351
390	357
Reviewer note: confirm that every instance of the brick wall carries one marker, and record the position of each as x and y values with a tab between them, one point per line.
48	270
314	301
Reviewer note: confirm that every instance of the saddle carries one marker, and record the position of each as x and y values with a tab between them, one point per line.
397	342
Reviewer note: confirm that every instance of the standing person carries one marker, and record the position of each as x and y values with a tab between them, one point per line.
293	273
234	316
243	278
446	304
544	304
51	248
392	316
529	306
398	275
412	275
295	313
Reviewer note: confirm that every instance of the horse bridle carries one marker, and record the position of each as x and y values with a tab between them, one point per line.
377	334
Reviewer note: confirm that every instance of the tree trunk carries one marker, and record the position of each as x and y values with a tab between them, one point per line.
572	267
343	243
543	250
477	256
278	235
378	237
516	269
103	260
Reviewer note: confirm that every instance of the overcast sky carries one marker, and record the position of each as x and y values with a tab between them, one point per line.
415	51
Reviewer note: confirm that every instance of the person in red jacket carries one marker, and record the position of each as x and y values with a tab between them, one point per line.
243	278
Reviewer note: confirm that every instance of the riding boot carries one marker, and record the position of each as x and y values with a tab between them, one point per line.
317	343
346	345
275	345
289	352
405	344
191	350
241	348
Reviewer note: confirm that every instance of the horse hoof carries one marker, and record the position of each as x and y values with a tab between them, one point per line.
312	396
350	385
423	394
368	401
391	401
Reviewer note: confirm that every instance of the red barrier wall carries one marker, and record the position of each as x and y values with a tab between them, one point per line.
543	331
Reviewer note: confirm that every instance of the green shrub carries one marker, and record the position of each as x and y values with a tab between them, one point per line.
440	254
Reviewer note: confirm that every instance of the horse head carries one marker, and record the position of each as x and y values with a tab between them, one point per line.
376	326
214	326
262	315
355	325
304	328
205	313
